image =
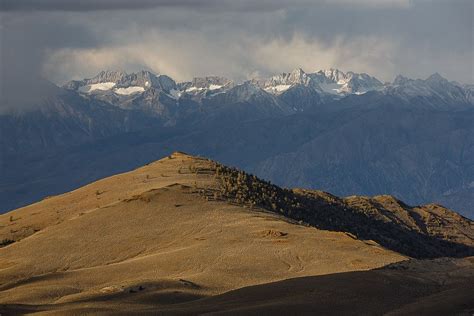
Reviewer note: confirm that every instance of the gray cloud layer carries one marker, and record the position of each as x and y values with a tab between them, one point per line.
245	5
65	39
95	5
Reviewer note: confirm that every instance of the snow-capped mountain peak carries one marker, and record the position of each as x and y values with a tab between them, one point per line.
282	82
335	81
122	84
334	75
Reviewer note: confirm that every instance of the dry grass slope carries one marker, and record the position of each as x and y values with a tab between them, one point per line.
172	235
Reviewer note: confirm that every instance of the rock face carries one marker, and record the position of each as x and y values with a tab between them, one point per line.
280	83
435	91
211	83
143	79
332	82
346	83
143	91
338	131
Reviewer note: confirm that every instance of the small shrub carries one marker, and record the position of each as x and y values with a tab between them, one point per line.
6	242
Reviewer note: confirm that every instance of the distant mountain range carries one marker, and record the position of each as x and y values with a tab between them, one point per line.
346	133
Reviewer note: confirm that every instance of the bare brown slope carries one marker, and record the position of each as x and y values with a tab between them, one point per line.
150	238
25	221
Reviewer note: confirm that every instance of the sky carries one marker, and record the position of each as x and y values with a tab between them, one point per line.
72	39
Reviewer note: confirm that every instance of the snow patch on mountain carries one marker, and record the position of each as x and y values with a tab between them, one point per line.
201	87
214	86
331	88
176	94
102	86
278	88
129	90
191	89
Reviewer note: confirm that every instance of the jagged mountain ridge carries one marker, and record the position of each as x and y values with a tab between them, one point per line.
144	79
297	90
435	91
347	83
297	76
344	83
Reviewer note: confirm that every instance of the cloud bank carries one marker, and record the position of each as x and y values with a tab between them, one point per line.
242	5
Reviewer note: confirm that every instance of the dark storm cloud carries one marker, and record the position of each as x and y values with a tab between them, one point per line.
24	41
97	5
91	5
